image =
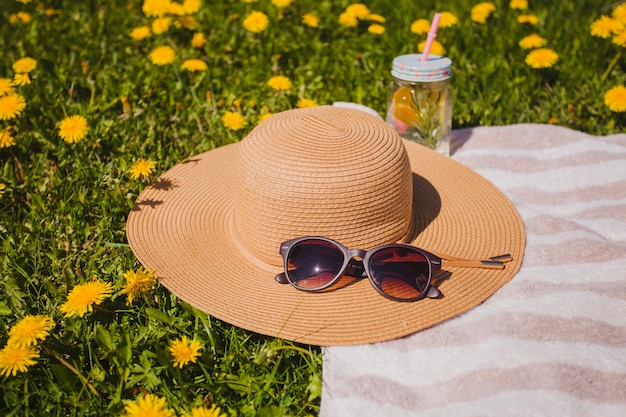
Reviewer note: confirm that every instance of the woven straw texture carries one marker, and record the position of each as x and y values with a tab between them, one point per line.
211	226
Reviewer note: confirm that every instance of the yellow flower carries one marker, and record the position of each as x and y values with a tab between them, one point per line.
25	64
420	26
620	39
619	13
162	55
256	22
155	8
148	405
605	26
519	4
206	412
2	187
528	18
263	117
305	102
447	19
184	351
436	48
194	65
233	121
176	9
29	330
198	40
279	83
82	297
14	359
6	86
348	20
140	33
358	10
376	29
20	17
191	6
482	11
21	78
188	22
6	139
137	283
141	168
73	129
161	25
541	58
532	41
281	4
374	17
310	20
11	105
615	99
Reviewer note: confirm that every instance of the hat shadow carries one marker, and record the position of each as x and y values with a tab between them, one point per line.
426	206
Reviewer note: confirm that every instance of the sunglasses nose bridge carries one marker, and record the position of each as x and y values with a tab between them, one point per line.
356	253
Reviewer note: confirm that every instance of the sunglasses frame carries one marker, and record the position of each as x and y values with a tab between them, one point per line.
362	258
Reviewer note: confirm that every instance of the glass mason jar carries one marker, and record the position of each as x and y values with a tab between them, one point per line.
420	100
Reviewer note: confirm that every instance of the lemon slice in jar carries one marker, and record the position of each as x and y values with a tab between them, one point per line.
403	109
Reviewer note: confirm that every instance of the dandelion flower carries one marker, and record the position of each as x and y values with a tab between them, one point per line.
279	83
310	20
142	168
140	33
162	55
619	13
6	139
194	65
184	351
191	6
305	102
198	40
2	187
620	39
447	19
376	29
615	99
519	4
148	405
21	78
256	22
176	9
155	8
29	330
436	48
233	121
11	105
14	359
528	18
205	412
82	297
348	20
541	58
532	41
6	86
482	11
420	26
358	10
20	17
73	129
161	25
137	283
263	117
375	17
281	4
604	27
25	64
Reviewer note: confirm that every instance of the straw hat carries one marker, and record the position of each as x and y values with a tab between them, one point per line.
212	225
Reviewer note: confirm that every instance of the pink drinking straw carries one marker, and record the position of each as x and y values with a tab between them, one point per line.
432	34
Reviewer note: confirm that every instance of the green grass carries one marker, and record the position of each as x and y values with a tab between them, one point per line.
63	211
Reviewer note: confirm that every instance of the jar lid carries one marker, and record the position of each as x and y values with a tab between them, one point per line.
410	68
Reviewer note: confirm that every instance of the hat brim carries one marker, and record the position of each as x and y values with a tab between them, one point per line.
182	228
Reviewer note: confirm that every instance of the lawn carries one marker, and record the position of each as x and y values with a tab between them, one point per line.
97	100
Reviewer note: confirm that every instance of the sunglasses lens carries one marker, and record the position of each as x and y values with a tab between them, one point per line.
400	272
314	263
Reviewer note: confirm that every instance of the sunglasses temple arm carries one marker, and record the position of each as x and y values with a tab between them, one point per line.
496	262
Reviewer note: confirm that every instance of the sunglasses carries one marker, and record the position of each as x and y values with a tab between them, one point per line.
397	271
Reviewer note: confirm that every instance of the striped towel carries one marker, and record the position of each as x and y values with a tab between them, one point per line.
552	342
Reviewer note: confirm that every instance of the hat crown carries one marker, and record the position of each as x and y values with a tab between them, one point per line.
328	171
